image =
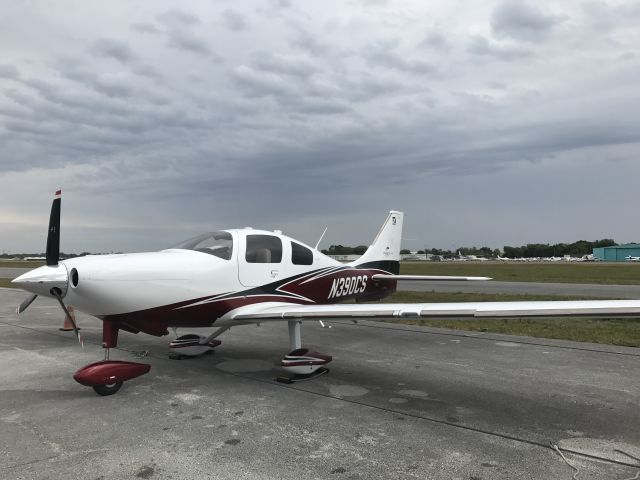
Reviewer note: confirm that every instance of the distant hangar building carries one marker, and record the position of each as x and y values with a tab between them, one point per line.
619	253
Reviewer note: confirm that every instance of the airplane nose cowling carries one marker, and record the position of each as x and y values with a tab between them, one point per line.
43	279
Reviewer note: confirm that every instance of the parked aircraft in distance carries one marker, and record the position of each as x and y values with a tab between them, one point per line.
631	258
470	258
245	276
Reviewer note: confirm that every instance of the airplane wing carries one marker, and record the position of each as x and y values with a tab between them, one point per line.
428	278
575	308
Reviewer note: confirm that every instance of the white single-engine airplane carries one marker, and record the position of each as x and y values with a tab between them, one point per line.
246	276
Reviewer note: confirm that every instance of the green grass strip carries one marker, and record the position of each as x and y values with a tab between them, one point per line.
556	272
20	264
623	332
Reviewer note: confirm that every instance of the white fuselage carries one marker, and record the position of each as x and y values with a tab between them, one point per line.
104	285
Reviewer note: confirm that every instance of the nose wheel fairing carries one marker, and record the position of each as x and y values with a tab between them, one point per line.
107	376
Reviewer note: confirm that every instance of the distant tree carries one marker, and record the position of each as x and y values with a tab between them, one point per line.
579	248
404	251
342	250
359	250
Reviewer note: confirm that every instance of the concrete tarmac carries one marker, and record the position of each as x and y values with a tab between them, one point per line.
399	402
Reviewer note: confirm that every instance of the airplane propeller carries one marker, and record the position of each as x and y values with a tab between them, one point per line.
76	330
53	244
28	301
53	257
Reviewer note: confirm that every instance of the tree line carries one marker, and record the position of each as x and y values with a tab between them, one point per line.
579	248
530	250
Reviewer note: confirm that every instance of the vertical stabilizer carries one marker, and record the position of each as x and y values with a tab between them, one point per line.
384	252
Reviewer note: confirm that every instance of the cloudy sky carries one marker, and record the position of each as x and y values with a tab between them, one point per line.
487	122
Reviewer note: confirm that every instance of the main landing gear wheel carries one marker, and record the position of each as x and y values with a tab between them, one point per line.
288	379
106	390
303	364
192	345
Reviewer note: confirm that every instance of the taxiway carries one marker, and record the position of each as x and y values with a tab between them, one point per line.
400	402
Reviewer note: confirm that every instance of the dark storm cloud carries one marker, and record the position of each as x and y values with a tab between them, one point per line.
386	56
180	29
177	17
296	66
146	28
308	43
120	51
257	83
117	85
280	4
483	47
435	40
368	86
188	41
9	71
113	48
233	20
147	71
79	126
523	21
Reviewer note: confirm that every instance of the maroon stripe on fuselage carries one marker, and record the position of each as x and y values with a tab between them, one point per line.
336	285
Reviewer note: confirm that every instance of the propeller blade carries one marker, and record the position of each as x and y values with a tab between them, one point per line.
76	330
28	301
53	237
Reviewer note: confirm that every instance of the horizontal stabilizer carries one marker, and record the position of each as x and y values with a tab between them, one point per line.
428	278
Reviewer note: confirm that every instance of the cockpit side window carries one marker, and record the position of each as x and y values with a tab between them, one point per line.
219	244
263	249
301	255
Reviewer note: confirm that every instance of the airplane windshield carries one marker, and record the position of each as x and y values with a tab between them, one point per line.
219	244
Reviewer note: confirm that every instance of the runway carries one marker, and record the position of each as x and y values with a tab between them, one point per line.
399	402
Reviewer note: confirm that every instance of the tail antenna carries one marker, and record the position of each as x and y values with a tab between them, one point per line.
321	237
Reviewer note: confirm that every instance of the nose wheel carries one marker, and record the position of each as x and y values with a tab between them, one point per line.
106	390
106	377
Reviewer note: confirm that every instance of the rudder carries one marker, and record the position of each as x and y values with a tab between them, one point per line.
384	252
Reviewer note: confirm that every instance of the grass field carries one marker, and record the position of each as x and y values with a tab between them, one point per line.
625	332
6	282
560	272
20	264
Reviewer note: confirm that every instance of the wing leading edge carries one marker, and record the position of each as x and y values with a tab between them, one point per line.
576	308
